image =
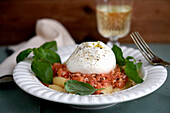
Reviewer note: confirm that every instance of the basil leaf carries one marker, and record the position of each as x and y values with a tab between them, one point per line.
119	55
130	57
131	72
22	55
138	66
52	56
43	71
39	53
80	88
52	45
46	55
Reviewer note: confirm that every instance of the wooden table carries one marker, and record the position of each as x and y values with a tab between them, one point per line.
18	17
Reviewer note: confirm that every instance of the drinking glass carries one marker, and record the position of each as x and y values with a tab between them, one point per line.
113	19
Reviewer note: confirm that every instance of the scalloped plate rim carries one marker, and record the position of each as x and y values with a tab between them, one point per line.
98	97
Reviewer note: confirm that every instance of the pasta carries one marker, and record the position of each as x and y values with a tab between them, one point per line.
115	79
56	87
110	89
116	90
59	81
107	90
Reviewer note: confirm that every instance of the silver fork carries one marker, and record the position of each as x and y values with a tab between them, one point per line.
146	51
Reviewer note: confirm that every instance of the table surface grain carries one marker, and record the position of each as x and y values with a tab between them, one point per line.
15	100
151	18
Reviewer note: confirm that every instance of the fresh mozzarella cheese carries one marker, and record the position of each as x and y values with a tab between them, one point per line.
92	57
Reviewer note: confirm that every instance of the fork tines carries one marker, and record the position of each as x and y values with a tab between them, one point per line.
142	46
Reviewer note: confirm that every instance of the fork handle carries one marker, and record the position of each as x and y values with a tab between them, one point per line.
164	63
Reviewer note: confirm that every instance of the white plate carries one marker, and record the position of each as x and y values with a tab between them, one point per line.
154	77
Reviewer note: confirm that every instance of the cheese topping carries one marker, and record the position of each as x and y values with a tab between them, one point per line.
92	57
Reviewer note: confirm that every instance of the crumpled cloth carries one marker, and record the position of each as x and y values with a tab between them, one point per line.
46	30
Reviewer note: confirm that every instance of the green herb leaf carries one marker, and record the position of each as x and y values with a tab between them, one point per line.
130	57
22	55
80	88
46	55
52	56
52	45
39	53
119	55
138	65
43	71
131	72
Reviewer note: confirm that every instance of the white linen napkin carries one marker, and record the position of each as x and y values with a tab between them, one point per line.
46	30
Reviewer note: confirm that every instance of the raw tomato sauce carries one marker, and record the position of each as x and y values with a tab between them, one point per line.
116	78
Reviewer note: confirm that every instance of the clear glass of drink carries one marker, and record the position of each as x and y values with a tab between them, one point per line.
113	19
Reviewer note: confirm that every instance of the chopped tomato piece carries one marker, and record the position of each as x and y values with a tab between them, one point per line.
115	78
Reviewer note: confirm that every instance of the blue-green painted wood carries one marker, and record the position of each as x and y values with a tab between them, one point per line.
14	100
